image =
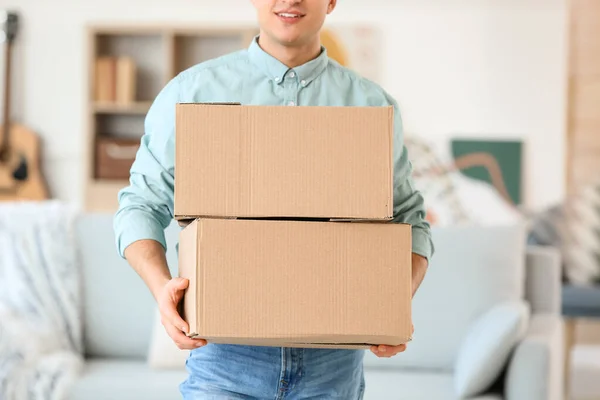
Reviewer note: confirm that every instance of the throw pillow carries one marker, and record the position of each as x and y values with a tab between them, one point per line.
163	353
487	347
573	227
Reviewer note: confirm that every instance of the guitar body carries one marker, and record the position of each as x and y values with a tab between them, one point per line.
25	151
20	170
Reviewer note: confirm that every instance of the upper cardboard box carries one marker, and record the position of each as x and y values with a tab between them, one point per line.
281	161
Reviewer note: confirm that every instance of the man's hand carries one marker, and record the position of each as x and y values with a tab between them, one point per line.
147	257
389	351
168	298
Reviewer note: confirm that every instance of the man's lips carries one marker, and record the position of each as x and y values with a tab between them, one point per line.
289	16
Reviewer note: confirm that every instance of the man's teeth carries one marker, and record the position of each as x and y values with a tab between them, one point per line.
286	15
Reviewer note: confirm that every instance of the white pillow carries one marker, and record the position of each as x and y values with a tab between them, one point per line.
487	346
163	353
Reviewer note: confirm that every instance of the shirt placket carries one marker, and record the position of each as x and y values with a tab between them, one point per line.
291	86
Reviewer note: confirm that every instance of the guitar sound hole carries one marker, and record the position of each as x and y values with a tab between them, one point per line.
20	173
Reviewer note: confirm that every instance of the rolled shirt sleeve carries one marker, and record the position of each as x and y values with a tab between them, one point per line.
146	204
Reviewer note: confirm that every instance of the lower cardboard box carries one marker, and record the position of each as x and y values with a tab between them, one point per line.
297	283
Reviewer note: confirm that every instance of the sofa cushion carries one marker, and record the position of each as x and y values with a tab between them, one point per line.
163	353
487	346
118	308
411	385
113	379
474	268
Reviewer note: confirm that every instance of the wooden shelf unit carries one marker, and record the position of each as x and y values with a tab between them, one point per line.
138	107
159	52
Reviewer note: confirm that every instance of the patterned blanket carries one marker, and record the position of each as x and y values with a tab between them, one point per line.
40	316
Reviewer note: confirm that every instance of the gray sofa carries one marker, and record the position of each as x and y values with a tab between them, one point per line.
474	268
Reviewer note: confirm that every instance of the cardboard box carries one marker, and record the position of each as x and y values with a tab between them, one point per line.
297	283
283	162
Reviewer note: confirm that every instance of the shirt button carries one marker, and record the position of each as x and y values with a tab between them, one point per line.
291	103
303	82
277	79
292	74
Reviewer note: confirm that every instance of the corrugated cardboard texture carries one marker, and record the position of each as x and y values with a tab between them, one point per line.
279	161
299	283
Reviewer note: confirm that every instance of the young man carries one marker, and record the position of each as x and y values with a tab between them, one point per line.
284	65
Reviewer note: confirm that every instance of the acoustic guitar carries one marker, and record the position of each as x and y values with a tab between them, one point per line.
20	172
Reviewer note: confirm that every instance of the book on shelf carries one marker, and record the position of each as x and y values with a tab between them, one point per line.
115	79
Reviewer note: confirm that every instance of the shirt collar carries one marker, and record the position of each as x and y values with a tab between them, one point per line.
277	71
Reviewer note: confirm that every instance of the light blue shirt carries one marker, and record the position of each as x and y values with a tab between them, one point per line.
251	76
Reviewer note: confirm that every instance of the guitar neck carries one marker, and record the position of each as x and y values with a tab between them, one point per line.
4	137
9	24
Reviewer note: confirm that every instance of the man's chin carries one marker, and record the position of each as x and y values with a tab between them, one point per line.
288	37
290	41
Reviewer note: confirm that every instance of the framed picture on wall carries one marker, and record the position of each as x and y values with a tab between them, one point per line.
497	162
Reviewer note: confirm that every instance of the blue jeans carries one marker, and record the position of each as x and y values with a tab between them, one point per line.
234	372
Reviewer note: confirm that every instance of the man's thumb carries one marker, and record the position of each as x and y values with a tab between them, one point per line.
180	283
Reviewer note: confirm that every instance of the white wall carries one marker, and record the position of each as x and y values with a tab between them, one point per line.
492	68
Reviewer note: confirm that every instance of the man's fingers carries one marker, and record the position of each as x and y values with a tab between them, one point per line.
170	313
181	340
179	284
387	351
176	288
